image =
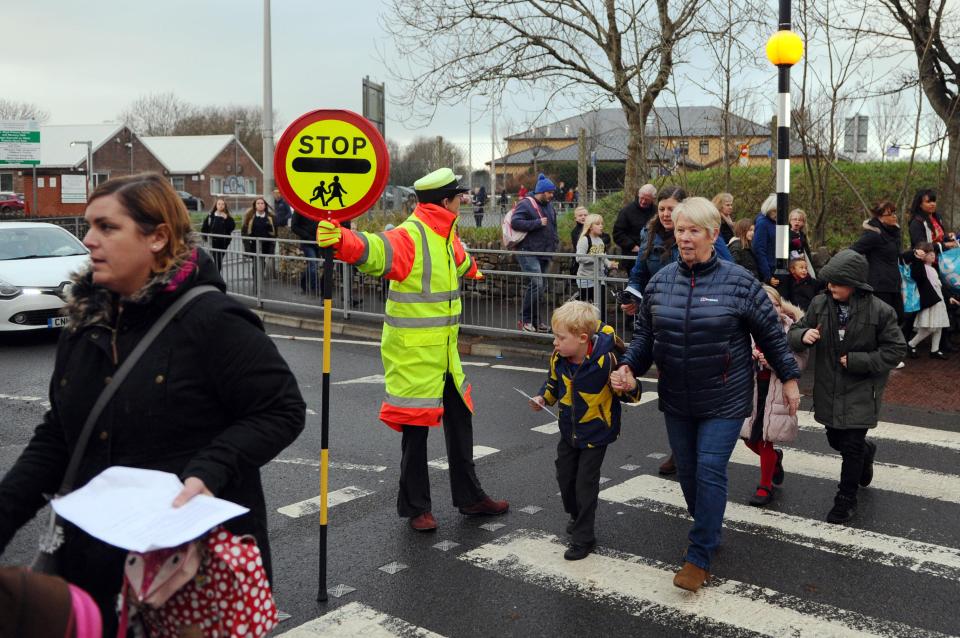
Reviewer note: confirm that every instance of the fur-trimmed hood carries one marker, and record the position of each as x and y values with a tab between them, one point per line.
89	304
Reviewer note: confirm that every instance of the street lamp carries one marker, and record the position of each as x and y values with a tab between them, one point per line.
784	49
236	161
89	144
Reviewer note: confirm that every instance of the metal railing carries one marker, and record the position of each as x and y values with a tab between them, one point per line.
276	272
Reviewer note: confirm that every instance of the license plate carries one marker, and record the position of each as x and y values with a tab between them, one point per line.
56	322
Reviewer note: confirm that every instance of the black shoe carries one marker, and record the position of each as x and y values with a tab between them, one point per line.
570	525
912	351
778	471
579	551
763	496
939	354
843	510
866	474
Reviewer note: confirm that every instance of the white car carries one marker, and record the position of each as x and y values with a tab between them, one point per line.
36	261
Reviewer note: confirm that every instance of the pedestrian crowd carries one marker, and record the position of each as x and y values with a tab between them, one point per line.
728	334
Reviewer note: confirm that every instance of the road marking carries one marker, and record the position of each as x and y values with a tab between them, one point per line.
335	465
548	428
662	496
642	587
898	432
356	619
312	505
886	476
503	366
377	379
320	339
479	364
479	451
644	399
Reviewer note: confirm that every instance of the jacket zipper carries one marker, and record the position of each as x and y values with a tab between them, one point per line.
686	328
573	407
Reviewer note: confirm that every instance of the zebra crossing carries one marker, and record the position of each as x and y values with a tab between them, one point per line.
621	579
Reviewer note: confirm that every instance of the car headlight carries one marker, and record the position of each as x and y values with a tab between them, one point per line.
8	290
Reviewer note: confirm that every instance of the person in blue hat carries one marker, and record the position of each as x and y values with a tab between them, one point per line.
534	215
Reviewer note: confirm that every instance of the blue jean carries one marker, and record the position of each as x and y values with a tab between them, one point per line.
530	312
701	451
308	278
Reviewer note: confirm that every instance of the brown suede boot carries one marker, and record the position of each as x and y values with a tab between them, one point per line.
690	577
668	466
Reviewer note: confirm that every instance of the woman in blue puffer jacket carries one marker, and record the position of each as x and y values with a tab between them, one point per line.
695	322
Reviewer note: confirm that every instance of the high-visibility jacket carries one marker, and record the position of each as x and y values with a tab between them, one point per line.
424	260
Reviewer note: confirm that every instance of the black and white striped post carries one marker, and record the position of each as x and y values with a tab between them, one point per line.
784	49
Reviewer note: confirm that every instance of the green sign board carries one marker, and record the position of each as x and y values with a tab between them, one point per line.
19	142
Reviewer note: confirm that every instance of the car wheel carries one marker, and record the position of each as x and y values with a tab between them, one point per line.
5	210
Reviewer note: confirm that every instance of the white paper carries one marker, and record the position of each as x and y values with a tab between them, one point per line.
545	408
636	293
133	509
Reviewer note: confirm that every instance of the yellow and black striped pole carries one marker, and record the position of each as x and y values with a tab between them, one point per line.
325	416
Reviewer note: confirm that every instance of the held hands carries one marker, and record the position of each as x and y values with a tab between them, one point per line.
329	233
791	396
622	379
191	487
811	336
629	308
537	403
543	221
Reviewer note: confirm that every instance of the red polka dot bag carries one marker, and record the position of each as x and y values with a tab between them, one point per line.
213	587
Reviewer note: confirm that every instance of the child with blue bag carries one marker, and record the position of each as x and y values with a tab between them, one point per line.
585	354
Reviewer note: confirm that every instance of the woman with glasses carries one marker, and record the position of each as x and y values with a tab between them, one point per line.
880	244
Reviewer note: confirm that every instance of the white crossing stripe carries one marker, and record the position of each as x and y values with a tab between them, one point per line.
334	465
548	428
886	476
312	505
320	339
479	364
377	379
479	451
356	619
898	432
662	496
643	587
645	398
503	366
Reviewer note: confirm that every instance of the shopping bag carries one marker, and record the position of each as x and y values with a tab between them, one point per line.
908	287
950	267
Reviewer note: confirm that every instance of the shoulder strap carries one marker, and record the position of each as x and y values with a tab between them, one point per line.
71	474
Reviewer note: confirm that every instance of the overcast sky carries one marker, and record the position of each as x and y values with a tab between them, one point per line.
84	62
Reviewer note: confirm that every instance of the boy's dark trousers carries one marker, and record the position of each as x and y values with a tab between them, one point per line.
413	497
851	446
578	474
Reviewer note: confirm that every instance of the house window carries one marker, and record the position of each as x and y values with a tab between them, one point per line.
251	186
178	182
216	185
99	178
684	146
6	181
704	147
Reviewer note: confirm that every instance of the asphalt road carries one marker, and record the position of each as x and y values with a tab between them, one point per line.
780	571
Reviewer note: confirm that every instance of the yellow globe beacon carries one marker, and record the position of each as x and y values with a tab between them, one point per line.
784	47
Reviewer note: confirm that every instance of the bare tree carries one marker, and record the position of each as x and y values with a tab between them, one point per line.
410	163
889	122
623	49
16	110
156	113
932	33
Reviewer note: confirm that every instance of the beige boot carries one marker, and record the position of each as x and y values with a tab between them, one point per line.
690	577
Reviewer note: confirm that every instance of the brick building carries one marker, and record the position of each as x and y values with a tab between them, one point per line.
117	151
209	167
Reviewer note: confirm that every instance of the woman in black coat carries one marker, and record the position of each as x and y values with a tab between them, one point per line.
195	404
880	244
220	223
926	224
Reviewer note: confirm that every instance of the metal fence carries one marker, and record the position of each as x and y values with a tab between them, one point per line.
278	273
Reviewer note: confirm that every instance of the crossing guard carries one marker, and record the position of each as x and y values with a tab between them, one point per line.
424	259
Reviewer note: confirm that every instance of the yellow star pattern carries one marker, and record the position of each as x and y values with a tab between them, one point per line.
567	398
595	403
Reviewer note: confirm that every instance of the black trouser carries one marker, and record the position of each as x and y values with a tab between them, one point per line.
851	444
895	301
578	474
413	498
478	216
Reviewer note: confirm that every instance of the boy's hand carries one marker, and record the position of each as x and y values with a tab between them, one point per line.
955	301
811	336
622	379
629	308
537	403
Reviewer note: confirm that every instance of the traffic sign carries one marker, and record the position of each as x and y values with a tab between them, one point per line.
331	164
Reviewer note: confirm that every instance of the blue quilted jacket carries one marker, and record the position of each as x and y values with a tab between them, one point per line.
695	324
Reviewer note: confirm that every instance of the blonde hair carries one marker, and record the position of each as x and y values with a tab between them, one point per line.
799	212
786	307
588	223
700	211
722	198
579	317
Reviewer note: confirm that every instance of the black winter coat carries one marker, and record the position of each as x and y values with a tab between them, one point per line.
304	227
800	293
922	230
213	224
695	324
211	398
928	294
630	224
744	257
880	244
